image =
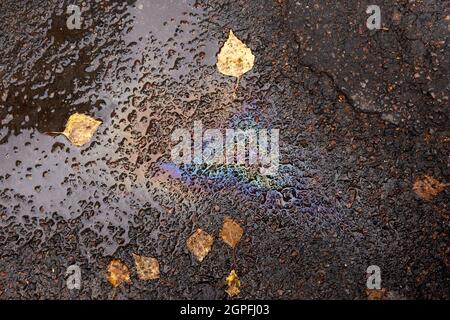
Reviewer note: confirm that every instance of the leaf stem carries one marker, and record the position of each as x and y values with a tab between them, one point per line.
236	87
54	133
233	258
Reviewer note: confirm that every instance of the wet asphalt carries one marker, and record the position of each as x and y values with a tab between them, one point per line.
361	115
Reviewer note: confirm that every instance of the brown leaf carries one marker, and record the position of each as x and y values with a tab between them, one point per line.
231	232
118	273
79	129
427	187
235	58
233	283
147	267
200	243
375	294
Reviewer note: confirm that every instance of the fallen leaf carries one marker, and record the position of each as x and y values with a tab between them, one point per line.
200	243
147	267
231	232
118	273
427	187
375	294
235	58
234	284
80	128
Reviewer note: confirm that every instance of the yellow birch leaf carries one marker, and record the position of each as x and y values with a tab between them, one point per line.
118	273
235	58
427	187
199	244
376	294
80	128
231	232
234	284
147	267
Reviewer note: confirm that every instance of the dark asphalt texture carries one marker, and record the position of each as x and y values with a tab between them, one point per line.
361	115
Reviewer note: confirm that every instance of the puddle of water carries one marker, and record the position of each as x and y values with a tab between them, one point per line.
113	71
145	70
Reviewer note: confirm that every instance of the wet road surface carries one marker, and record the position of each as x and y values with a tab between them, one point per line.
361	115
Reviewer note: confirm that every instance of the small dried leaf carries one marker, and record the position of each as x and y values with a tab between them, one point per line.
80	128
200	243
147	267
235	58
118	273
375	294
427	187
231	232
234	284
